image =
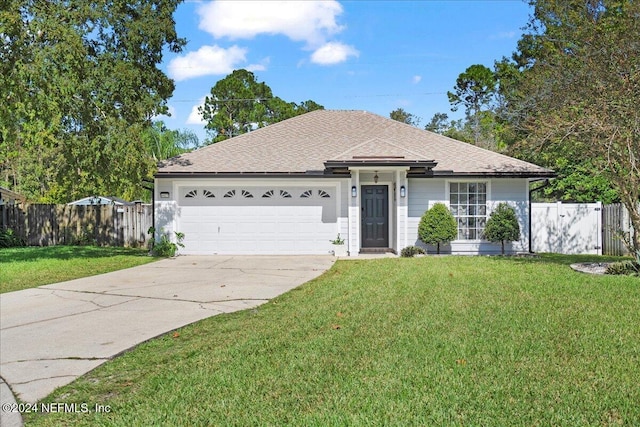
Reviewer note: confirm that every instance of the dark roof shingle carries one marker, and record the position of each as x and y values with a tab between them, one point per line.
304	143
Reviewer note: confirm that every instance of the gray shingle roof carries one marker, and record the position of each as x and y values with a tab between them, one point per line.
304	143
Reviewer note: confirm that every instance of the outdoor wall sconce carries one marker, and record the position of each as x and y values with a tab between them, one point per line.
375	178
354	191
403	191
164	194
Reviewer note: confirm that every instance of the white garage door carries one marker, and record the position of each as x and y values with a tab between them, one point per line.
257	220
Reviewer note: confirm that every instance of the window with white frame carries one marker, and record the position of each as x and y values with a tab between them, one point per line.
468	204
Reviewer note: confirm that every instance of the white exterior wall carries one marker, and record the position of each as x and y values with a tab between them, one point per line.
424	192
404	213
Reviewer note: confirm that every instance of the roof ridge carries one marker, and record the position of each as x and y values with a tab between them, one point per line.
383	140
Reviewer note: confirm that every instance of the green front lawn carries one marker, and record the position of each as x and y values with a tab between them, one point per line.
426	341
22	268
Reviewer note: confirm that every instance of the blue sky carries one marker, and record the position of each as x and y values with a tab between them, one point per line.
356	55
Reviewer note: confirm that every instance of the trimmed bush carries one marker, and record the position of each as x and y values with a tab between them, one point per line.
437	226
502	225
411	251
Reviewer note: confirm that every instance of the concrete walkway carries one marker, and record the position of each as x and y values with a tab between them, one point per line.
53	334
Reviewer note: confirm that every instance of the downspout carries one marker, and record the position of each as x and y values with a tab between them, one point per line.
543	186
153	200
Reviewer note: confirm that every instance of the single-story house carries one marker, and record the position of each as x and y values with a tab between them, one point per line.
292	187
100	200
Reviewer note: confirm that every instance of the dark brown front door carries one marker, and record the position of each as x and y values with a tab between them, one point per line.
375	216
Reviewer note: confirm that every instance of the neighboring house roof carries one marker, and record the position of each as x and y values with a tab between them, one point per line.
101	200
316	142
7	195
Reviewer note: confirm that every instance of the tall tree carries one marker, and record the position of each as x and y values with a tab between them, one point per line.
578	98
400	115
239	103
474	89
80	84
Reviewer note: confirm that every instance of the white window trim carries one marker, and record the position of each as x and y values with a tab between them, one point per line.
447	193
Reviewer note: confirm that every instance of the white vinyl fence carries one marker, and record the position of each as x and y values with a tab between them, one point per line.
566	228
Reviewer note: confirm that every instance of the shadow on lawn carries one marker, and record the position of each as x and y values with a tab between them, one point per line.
65	252
560	259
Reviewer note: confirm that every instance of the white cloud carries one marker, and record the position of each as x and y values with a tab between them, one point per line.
194	117
416	79
206	61
333	53
309	21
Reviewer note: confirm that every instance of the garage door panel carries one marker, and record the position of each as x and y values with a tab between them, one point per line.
277	224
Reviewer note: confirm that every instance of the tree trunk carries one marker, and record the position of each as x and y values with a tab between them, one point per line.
502	246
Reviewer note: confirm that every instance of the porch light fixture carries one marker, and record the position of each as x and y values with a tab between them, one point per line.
375	178
403	191
164	194
354	191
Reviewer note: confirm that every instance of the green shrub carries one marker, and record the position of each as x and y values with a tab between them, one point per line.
411	251
9	239
629	268
165	247
437	226
502	225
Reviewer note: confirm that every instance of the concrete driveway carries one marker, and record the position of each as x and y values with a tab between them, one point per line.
52	334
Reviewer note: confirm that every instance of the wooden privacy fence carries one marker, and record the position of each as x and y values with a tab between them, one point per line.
615	218
46	225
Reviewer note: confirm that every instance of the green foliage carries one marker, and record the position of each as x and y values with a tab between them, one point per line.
502	225
80	83
404	117
239	102
9	239
576	100
162	143
411	251
475	88
338	240
165	247
628	268
437	226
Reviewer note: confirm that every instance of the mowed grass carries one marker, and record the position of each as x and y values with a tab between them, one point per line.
471	341
23	268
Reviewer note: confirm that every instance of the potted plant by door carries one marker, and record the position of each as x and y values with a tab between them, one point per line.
339	248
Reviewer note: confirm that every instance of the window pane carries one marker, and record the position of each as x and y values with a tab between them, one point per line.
482	187
472	234
482	198
454	199
464	199
464	187
453	187
482	210
472	199
473	187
